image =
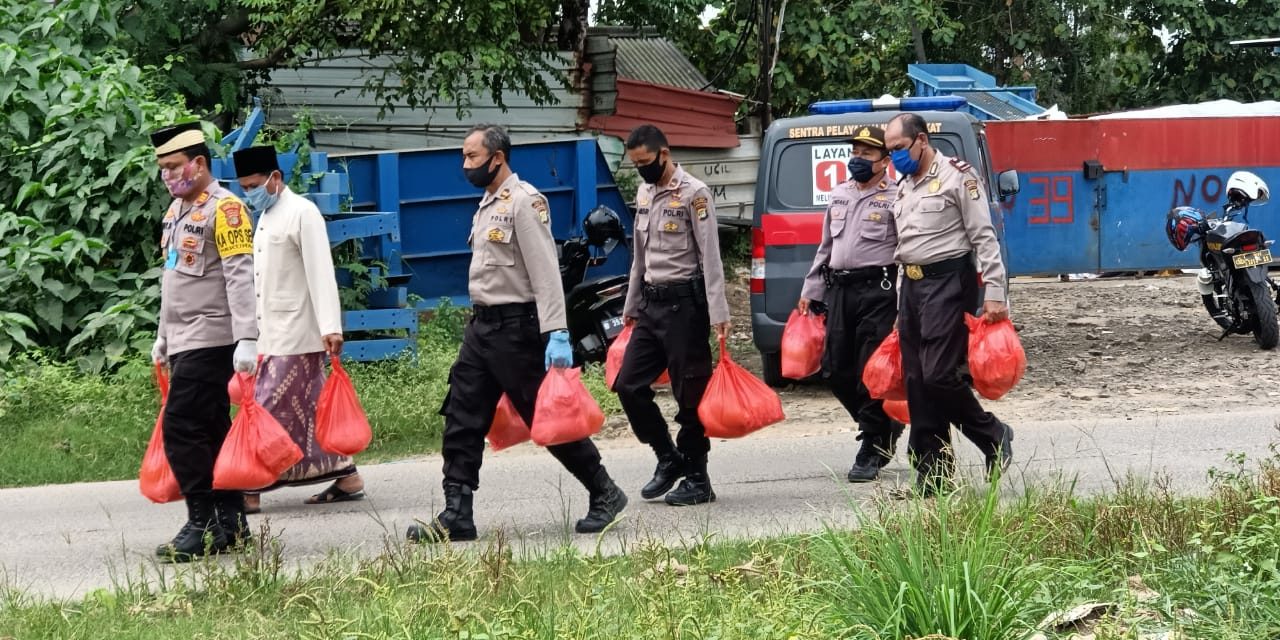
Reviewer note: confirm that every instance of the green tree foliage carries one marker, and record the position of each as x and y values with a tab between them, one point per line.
1084	55
1201	64
77	230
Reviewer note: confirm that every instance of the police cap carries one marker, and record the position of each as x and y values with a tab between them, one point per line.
869	135
175	138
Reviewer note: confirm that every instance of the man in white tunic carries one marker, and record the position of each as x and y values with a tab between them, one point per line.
299	320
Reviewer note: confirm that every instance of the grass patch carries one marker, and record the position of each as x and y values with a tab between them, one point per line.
970	567
60	425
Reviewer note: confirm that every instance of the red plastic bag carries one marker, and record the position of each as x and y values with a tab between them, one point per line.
565	411
996	359
883	373
897	409
155	478
802	345
737	403
508	428
234	391
613	358
257	449
341	425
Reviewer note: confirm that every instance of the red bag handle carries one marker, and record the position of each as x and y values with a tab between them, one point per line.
246	388
162	381
724	351
336	363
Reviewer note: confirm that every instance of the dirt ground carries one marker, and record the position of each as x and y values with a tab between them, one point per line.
1099	348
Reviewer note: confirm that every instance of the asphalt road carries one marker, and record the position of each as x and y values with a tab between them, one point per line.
63	541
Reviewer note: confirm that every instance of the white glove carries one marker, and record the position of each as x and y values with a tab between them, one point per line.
246	357
159	352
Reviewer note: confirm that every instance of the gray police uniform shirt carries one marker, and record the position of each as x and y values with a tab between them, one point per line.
945	214
677	239
513	254
206	292
858	231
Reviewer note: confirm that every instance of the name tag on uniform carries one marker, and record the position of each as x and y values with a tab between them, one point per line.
171	259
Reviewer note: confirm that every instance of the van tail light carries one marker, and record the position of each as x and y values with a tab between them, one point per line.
757	260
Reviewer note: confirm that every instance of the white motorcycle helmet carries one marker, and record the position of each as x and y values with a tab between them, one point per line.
1245	188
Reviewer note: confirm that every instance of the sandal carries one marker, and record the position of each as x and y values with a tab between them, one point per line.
334	494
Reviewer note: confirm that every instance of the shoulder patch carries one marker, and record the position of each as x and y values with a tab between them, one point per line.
971	187
961	164
540	205
232	233
700	207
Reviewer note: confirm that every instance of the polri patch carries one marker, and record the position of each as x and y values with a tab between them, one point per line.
700	207
971	186
540	205
230	233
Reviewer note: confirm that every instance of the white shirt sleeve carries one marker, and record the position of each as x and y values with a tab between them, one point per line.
317	263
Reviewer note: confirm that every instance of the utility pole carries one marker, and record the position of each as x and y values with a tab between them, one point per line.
766	61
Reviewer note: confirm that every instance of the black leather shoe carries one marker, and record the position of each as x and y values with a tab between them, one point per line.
229	508
864	472
1003	454
874	454
455	524
695	489
607	501
671	467
200	536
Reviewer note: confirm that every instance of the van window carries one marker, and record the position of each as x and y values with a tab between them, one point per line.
805	171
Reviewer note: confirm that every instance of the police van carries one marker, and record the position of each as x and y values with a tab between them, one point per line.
801	160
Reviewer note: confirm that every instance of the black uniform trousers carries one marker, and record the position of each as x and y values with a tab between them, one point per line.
503	351
670	333
935	353
860	314
197	415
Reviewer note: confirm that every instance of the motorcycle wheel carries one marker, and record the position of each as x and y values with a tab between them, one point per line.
1216	312
1267	333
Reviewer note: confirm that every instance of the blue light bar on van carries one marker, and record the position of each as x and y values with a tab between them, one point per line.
888	103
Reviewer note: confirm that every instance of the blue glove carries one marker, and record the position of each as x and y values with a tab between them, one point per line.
559	354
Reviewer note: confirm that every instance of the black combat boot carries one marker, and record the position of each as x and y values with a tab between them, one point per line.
695	488
670	468
875	453
1002	457
456	523
229	508
200	536
607	501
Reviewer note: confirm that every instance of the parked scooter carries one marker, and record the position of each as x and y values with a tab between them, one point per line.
593	306
1235	285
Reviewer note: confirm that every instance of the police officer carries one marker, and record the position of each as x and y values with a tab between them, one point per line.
676	289
207	329
855	261
516	334
944	222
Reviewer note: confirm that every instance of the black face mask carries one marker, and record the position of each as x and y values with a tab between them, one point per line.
651	173
482	176
861	170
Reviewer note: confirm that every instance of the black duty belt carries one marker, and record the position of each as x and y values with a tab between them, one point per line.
922	271
883	276
694	288
500	312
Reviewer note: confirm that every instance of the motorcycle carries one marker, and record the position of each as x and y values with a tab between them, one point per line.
1234	283
593	305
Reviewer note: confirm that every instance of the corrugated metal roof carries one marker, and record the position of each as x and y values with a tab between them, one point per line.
657	61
